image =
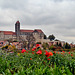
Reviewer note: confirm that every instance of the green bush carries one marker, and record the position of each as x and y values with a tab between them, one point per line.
52	48
45	46
5	47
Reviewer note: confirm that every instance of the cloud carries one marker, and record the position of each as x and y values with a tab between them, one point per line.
52	16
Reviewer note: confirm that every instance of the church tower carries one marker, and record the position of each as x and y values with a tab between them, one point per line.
17	29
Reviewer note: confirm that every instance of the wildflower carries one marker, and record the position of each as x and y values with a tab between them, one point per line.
33	49
47	54
30	58
48	59
44	63
39	52
26	51
32	52
37	45
45	51
58	52
69	52
54	52
50	53
23	50
63	51
18	54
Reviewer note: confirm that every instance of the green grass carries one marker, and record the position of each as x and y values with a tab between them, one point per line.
20	64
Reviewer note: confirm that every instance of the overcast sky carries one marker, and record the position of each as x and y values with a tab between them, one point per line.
52	16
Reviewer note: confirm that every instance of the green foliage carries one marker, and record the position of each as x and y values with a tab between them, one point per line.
51	37
45	37
5	47
45	45
59	64
38	43
60	44
67	46
52	47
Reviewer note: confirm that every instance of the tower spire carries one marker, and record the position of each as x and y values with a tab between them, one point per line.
17	29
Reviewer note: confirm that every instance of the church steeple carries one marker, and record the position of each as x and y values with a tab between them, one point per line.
17	29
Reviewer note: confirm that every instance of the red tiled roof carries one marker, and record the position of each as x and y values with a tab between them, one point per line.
26	30
38	30
17	22
9	33
14	33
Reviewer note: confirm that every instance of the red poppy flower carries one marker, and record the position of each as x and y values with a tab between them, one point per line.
33	49
30	58
26	51
54	52
58	52
44	62
48	59
39	52
69	52
63	51
50	53
32	52
23	50
47	54
37	45
45	51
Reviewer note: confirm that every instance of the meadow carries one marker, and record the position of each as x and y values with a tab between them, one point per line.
37	62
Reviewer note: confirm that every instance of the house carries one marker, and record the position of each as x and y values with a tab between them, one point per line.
55	43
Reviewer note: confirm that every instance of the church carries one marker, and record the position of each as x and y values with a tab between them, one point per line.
21	34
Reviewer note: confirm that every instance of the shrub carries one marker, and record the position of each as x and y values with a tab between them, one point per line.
38	43
4	47
11	48
45	45
52	48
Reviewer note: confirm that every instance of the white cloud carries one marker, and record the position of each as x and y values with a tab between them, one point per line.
52	16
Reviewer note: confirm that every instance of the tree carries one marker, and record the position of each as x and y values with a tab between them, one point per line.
60	44
38	43
45	37
56	40
30	39
51	37
52	47
24	45
67	46
45	45
57	44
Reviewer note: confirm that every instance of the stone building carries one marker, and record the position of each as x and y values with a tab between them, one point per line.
21	34
5	35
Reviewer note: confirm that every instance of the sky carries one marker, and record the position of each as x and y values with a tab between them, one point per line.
55	17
